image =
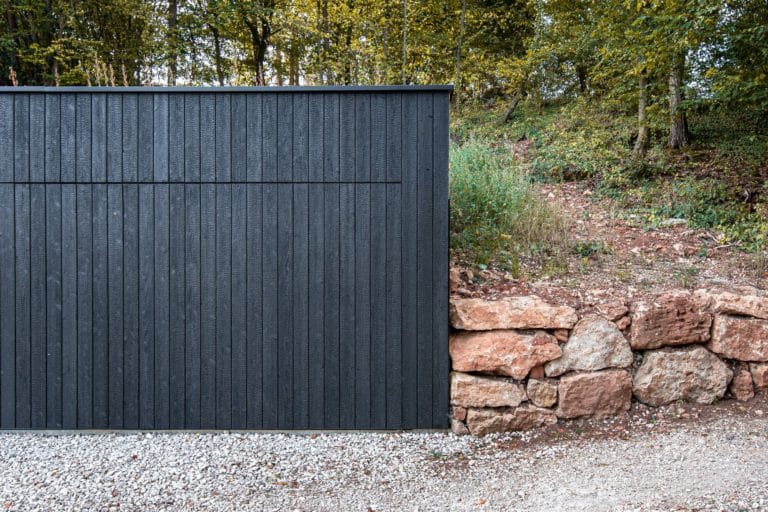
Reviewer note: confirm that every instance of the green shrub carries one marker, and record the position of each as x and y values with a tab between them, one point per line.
496	215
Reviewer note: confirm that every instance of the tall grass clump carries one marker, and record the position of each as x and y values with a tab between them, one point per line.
496	214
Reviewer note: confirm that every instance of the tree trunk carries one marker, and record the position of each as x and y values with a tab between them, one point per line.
405	37
457	91
581	75
173	41
678	123
293	65
643	132
259	42
10	19
217	50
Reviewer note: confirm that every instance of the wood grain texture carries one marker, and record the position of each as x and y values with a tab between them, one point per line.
183	259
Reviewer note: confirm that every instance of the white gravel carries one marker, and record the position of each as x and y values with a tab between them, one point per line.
721	465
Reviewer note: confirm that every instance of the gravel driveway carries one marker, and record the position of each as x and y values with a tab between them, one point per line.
720	464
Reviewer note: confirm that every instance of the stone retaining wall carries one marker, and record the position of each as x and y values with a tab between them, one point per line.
521	363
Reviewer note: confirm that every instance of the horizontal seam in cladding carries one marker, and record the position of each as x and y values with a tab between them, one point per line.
284	182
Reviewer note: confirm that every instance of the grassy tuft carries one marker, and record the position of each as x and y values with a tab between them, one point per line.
496	214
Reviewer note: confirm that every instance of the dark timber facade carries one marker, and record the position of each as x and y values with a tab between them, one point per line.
239	258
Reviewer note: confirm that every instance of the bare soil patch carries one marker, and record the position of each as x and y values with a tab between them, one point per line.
614	256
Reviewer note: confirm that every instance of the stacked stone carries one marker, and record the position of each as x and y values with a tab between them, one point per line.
521	363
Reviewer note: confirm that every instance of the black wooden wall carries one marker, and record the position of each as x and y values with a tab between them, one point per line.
241	258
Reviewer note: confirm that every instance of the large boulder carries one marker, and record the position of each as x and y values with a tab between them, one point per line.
600	394
692	374
475	391
595	344
740	338
541	392
674	318
747	304
512	313
486	421
504	352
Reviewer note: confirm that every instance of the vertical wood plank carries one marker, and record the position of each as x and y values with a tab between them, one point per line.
114	120
440	360
239	305
172	145
207	307
161	135
130	309
83	137
255	320
162	314
22	224
177	310
378	305
69	305
316	306
378	137
99	137
300	306
7	306
424	261
254	136
207	137
223	144
101	297
300	137
332	293
224	306
362	137
115	304
269	142
38	322
53	335
285	258
50	140
130	137
147	306
21	135
394	308
6	137
85	316
68	132
239	124
331	140
347	293
270	382
192	156
362	304
146	138
284	137
347	164
316	137
193	326
36	137
409	215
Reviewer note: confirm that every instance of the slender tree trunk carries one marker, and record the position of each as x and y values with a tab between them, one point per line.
678	123
643	132
457	91
218	57
293	65
10	19
581	75
173	41
405	38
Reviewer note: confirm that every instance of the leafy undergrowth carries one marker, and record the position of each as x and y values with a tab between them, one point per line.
497	216
720	182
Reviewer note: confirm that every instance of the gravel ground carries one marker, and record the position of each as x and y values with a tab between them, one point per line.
720	465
